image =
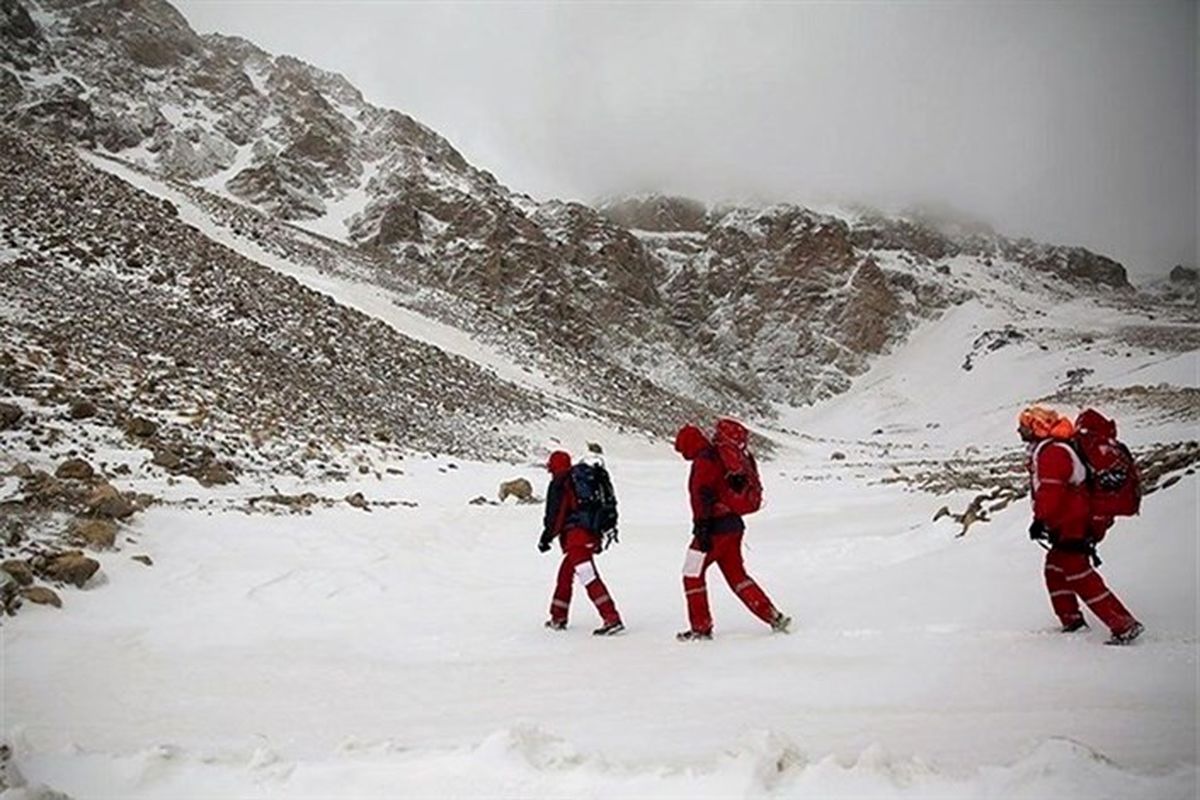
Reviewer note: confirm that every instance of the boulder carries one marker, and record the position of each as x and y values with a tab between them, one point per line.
518	488
168	459
106	501
10	415
75	469
82	409
71	567
95	533
213	474
358	501
9	593
141	427
19	571
837	455
42	595
141	559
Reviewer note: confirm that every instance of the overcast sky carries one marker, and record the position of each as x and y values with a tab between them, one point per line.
1069	122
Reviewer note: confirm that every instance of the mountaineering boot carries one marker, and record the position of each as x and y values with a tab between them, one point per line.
1075	625
609	628
556	624
780	622
1128	635
694	636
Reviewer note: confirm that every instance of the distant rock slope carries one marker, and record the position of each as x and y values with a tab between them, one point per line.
655	309
111	300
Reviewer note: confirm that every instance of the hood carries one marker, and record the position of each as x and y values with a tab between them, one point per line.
690	441
558	463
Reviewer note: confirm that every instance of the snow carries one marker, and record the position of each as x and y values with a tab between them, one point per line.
401	652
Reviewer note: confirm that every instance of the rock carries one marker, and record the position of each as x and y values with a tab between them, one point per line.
71	567
478	501
95	533
19	571
837	455
141	427
168	459
594	447
214	474
9	593
358	501
75	469
42	595
518	488
106	501
143	560
10	415
82	409
21	470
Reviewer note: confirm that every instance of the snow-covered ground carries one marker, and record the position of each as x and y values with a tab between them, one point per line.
400	652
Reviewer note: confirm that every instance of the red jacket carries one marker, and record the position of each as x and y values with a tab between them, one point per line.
703	482
1060	498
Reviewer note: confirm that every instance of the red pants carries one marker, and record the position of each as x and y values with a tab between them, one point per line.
578	546
1070	576
726	553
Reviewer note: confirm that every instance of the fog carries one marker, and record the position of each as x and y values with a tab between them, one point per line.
1074	123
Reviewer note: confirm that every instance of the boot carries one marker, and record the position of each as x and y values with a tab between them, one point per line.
780	622
609	628
694	636
1128	635
556	624
1075	625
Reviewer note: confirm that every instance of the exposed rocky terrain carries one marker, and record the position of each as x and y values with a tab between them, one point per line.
650	307
117	312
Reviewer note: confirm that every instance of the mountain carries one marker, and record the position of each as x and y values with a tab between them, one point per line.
642	312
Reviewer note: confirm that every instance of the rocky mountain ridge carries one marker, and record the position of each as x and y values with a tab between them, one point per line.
652	309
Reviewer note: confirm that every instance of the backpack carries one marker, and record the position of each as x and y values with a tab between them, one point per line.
595	500
741	491
1113	480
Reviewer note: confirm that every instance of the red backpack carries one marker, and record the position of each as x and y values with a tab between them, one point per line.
741	491
1114	483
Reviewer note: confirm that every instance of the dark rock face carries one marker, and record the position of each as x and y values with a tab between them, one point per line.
1185	275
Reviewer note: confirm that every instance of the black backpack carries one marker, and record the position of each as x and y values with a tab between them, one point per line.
595	501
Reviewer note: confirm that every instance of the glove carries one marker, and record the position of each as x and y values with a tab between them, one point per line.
1037	530
543	546
702	530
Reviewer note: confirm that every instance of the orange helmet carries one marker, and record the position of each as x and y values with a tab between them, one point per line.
1045	423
